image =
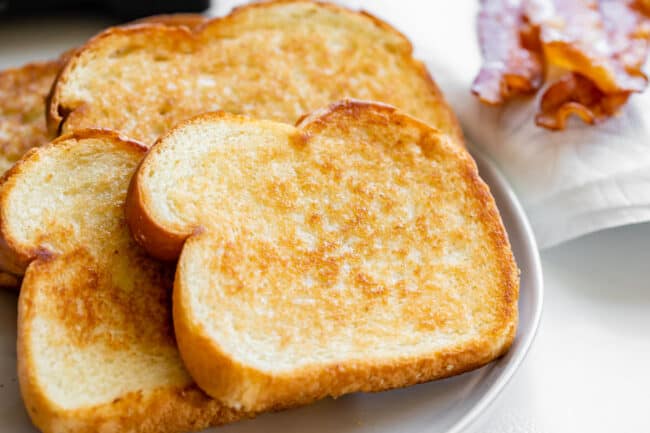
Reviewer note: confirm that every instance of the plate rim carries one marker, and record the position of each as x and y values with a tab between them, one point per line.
528	258
522	344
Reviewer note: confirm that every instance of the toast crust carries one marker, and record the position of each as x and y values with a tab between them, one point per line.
78	290
64	115
23	95
241	386
181	409
183	21
24	91
161	243
14	256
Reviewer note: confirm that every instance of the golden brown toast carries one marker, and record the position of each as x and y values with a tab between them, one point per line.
272	60
22	104
22	109
96	348
357	251
22	118
23	91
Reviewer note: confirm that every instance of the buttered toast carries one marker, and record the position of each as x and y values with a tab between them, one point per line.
23	91
96	348
357	251
273	60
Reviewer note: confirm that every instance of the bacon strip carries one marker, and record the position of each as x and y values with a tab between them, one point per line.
511	66
600	40
576	94
603	44
626	31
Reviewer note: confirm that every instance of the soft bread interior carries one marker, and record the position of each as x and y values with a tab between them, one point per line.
362	239
100	325
276	61
71	196
96	348
88	349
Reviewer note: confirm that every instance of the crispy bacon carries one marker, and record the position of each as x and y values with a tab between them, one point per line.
603	44
576	94
511	66
600	40
628	33
643	6
606	72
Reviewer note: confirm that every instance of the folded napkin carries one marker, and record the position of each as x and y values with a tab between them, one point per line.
571	182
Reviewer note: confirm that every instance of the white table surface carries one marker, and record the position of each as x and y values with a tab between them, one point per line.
589	368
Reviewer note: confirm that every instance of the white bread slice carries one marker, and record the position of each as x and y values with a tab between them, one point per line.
272	60
358	251
96	349
23	91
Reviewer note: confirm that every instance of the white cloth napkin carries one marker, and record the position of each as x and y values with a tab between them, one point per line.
570	183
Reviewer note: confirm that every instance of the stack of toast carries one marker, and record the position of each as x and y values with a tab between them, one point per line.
244	214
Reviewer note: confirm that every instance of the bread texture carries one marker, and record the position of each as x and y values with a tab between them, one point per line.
22	118
22	109
272	60
357	251
23	92
96	348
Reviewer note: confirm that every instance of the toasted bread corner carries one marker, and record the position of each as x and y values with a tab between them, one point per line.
244	386
172	411
72	288
54	113
160	243
421	94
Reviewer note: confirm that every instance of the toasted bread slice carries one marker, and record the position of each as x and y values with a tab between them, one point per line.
22	118
23	91
188	20
22	109
96	349
22	104
358	251
273	60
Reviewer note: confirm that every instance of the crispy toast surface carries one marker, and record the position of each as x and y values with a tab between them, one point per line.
22	109
22	118
273	60
96	349
358	251
23	91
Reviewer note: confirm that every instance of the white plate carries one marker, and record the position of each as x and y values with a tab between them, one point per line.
448	405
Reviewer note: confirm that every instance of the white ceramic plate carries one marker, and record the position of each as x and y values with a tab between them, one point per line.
448	405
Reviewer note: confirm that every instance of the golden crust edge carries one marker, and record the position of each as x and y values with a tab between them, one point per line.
215	372
162	242
15	257
53	116
163	410
56	113
157	241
